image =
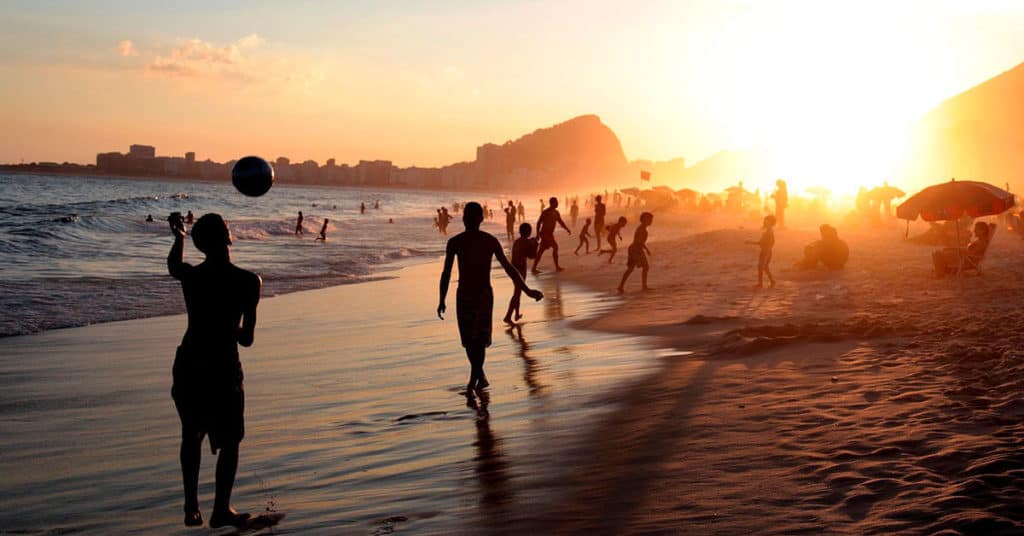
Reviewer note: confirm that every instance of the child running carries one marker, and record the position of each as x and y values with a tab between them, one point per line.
474	299
584	238
767	242
614	233
523	248
638	252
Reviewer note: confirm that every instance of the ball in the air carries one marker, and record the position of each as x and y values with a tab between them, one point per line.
252	176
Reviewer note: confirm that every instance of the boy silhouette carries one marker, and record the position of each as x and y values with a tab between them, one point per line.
221	301
638	252
549	217
523	248
766	243
614	234
474	299
584	238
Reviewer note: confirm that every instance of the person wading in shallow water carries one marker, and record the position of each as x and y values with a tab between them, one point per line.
474	299
221	301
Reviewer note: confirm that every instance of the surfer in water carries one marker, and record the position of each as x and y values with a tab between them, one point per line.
221	300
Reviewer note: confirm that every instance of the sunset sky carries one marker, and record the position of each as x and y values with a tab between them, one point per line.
426	82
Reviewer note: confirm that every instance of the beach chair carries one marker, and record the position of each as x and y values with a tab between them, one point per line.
972	266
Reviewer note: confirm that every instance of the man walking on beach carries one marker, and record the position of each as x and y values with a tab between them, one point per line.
474	299
221	301
546	232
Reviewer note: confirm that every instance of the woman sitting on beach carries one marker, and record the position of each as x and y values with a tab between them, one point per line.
948	260
829	251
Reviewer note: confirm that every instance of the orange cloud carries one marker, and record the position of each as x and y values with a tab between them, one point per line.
199	58
126	48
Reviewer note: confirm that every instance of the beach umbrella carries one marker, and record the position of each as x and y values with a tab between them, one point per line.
951	200
887	192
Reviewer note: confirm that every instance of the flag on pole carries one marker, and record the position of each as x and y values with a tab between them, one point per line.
645	176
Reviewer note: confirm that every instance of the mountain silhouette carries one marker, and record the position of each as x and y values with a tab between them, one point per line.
975	135
578	153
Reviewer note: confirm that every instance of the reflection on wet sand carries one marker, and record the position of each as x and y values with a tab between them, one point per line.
530	368
552	289
491	467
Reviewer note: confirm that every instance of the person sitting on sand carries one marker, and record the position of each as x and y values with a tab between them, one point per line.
546	231
767	242
474	299
523	248
323	231
584	238
614	234
221	300
951	260
829	251
638	252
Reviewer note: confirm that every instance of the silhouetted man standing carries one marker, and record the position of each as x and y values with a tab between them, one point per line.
474	299
546	231
221	301
599	211
781	196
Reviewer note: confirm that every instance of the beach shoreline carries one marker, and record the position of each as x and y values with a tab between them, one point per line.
857	411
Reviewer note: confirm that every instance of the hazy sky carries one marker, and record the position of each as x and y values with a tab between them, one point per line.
425	82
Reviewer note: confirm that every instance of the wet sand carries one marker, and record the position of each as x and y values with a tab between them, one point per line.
872	400
354	421
876	399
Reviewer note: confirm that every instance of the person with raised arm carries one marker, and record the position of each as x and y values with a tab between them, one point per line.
221	300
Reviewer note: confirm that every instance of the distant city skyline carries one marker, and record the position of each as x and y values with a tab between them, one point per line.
422	84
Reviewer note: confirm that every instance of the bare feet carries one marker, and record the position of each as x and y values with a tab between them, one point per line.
194	519
559	269
518	316
483	383
621	290
535	271
228	517
508	320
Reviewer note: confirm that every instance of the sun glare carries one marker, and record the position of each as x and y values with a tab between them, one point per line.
829	97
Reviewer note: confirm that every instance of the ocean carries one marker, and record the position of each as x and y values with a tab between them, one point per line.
107	263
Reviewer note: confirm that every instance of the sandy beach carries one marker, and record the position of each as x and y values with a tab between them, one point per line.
833	403
875	399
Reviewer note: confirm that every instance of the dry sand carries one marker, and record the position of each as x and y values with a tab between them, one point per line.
875	399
